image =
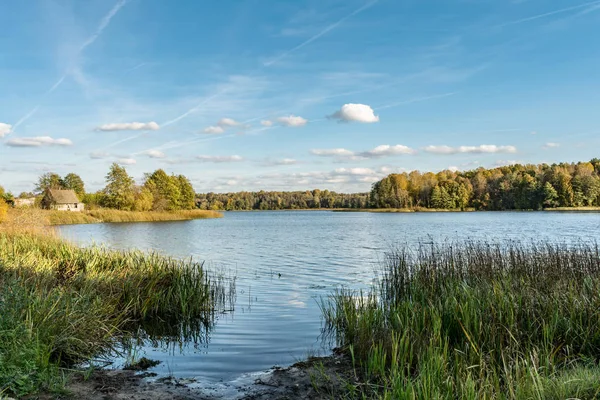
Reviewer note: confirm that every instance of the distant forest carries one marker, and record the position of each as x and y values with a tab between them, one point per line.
515	187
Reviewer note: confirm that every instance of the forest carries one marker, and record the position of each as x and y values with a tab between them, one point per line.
514	187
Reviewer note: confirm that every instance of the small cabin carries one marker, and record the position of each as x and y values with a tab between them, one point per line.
27	202
61	200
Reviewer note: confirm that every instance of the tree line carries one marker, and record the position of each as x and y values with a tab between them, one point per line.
514	187
310	199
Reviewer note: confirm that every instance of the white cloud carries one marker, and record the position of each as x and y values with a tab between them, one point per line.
126	161
38	141
228	123
220	159
453	168
355	171
550	145
5	129
154	154
292	121
386	150
284	161
482	149
266	122
332	152
129	126
355	113
97	155
214	130
503	163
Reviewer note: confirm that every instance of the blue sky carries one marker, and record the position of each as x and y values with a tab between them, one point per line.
302	94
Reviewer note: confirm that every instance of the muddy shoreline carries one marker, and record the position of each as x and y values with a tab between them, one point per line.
315	378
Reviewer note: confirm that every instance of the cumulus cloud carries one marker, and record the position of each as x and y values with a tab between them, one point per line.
154	154
332	152
266	122
129	126
5	129
292	121
355	113
220	159
385	150
127	161
38	141
482	149
283	161
550	145
504	163
214	130
97	155
228	123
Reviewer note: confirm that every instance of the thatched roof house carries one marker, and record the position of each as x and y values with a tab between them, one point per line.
64	200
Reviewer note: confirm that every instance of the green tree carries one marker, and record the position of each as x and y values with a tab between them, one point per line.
165	190
119	191
49	180
187	195
550	196
142	199
74	182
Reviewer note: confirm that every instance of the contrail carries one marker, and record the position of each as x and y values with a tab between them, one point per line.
562	10
416	100
278	58
103	24
318	35
26	117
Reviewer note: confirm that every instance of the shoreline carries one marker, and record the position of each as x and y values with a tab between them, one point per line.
313	378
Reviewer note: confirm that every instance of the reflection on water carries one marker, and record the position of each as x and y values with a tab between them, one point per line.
285	262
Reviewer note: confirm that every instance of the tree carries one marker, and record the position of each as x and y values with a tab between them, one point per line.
165	190
187	195
74	182
550	196
49	180
143	199
119	191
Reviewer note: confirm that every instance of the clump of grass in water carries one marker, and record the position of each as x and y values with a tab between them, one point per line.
475	321
62	305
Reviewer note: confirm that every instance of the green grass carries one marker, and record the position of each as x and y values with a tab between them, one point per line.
62	305
476	321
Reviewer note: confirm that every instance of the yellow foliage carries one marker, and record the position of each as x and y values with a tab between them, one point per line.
3	210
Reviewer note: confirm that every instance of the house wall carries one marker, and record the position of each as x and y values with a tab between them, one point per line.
77	207
24	202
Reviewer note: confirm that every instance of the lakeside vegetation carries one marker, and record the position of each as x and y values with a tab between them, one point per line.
62	305
475	321
514	187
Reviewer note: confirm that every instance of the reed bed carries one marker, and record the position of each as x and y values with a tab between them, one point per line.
475	321
62	305
107	215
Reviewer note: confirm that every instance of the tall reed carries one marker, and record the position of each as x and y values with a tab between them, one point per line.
62	304
476	321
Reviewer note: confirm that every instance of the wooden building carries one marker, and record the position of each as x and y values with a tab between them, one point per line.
62	200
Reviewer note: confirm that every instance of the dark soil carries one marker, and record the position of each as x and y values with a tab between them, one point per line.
316	378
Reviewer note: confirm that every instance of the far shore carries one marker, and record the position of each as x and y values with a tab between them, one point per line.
39	217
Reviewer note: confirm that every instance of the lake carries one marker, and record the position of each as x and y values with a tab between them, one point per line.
285	262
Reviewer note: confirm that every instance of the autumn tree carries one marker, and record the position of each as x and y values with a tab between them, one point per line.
74	182
119	191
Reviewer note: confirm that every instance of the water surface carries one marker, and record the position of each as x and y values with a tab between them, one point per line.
285	262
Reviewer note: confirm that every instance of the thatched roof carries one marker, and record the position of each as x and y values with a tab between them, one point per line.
63	196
